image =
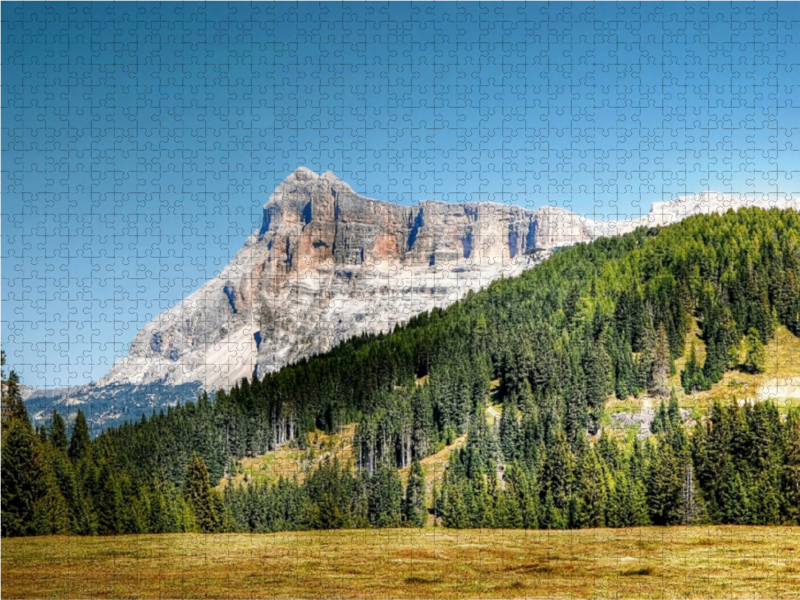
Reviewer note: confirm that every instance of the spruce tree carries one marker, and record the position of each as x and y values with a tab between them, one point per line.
637	503
552	516
385	497
692	378
755	353
198	493
790	483
501	515
514	510
414	507
660	421
58	432
509	431
13	407
732	498
765	505
21	479
453	511
80	441
558	471
111	507
591	494
51	511
664	486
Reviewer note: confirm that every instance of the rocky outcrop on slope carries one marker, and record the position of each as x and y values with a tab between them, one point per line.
641	420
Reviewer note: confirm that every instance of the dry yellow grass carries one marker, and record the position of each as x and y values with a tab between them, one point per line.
289	462
776	383
680	562
779	383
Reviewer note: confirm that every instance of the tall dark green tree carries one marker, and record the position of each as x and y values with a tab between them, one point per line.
385	497
13	408
199	495
664	486
692	378
21	479
414	510
80	440
589	507
58	432
791	469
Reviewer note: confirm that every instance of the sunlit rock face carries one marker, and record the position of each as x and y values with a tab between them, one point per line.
328	264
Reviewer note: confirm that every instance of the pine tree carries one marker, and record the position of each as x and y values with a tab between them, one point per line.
80	441
21	479
414	508
509	431
627	506
664	487
385	497
637	501
110	503
161	517
58	433
692	378
514	510
592	494
199	495
766	507
558	471
597	369
552	516
732	498
501	515
51	512
791	469
453	510
660	421
673	411
13	407
755	353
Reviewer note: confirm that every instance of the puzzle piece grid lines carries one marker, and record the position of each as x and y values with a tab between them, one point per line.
141	140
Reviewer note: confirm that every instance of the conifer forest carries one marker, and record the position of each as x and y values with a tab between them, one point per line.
550	348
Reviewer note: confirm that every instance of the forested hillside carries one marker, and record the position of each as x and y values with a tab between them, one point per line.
606	319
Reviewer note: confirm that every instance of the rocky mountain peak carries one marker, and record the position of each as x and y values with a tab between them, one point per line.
328	264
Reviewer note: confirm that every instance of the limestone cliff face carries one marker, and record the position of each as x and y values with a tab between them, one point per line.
328	264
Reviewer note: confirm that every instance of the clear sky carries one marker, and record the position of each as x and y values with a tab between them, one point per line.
140	140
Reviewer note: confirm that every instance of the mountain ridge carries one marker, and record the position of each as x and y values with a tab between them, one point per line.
328	264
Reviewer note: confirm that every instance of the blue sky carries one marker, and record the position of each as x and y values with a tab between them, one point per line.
140	140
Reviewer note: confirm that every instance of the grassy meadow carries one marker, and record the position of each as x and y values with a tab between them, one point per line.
652	562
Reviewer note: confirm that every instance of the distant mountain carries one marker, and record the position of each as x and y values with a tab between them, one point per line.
674	211
326	265
108	405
